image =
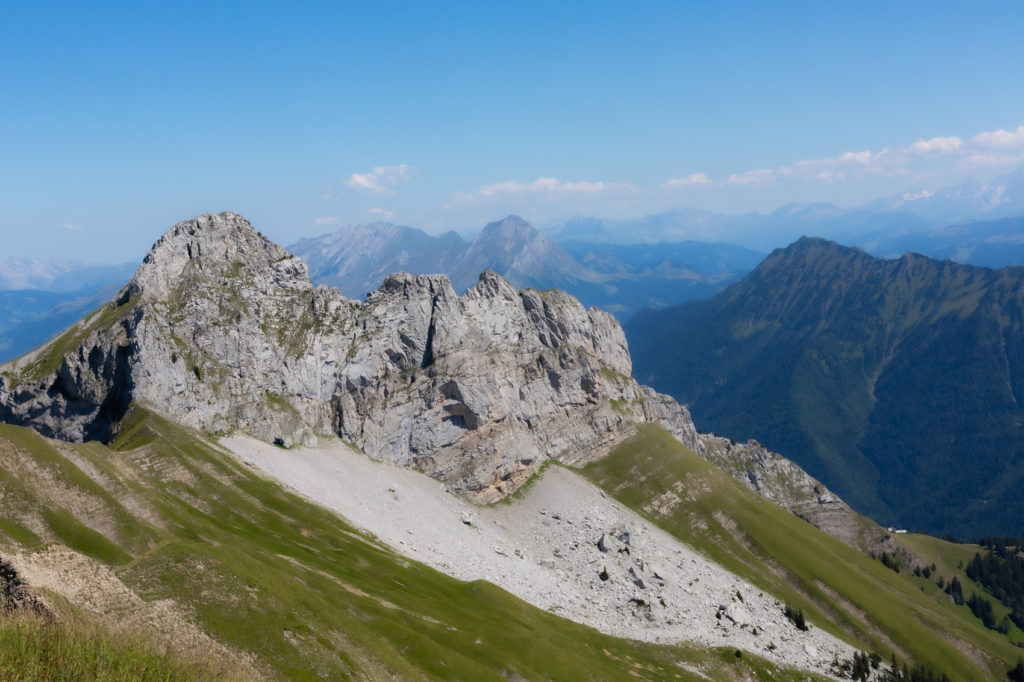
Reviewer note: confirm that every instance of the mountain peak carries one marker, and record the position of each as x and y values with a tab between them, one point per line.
209	225
805	241
819	244
377	227
868	355
208	243
522	254
511	225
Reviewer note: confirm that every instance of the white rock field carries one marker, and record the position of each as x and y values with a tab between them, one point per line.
565	547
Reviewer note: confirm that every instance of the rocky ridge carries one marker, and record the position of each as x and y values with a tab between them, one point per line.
221	329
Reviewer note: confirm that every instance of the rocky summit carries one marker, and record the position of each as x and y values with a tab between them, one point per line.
222	330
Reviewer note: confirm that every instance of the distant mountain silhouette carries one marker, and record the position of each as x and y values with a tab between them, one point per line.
619	278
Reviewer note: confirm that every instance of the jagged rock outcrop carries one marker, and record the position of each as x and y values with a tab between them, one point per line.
221	329
783	482
15	595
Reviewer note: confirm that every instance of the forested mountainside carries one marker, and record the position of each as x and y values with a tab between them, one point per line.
899	383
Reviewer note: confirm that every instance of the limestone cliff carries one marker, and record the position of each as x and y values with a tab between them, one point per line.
221	329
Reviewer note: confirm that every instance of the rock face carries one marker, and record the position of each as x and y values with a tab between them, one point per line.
221	329
783	482
15	595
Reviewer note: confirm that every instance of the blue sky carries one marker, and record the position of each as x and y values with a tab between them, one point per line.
117	120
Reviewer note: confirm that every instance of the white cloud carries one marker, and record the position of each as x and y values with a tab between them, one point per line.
382	179
586	187
381	213
831	176
828	169
459	199
507	187
924	159
991	159
549	189
984	149
923	194
544	186
999	139
761	176
329	220
73	228
689	181
936	146
859	158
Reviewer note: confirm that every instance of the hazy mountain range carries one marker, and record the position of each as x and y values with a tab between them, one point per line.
28	316
620	265
965	223
58	275
39	297
621	280
357	259
898	382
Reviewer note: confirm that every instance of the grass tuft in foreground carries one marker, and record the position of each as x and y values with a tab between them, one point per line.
35	648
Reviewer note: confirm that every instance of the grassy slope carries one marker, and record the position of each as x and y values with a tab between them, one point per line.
842	590
34	649
949	559
267	573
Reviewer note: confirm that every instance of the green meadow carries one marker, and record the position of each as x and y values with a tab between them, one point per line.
281	582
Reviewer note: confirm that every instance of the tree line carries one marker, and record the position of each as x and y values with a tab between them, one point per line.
1001	572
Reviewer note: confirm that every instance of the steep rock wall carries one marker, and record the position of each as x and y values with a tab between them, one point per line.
221	329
